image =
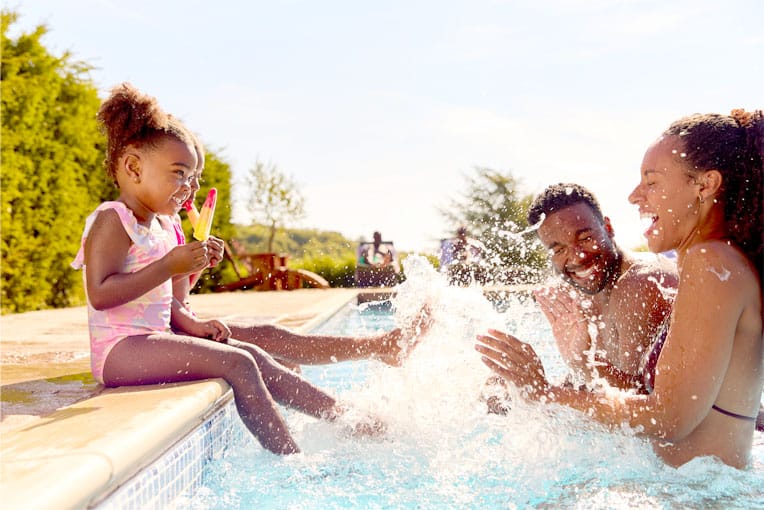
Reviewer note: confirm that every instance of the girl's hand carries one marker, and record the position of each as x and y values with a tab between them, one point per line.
514	361
214	330
187	258
214	251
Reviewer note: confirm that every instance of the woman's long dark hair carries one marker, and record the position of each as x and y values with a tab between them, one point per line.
734	145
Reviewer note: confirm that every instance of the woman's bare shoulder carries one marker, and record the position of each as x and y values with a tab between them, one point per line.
719	260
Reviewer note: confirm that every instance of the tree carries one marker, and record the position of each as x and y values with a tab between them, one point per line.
273	198
495	213
52	173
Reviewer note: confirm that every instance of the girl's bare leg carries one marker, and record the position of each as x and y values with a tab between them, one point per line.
283	344
289	388
166	358
301	349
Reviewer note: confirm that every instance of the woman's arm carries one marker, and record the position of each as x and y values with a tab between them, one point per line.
689	373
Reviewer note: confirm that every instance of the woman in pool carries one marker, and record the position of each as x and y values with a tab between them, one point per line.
130	256
701	188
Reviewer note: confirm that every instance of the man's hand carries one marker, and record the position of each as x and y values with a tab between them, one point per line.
570	325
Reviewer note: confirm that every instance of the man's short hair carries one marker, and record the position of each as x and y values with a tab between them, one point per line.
559	196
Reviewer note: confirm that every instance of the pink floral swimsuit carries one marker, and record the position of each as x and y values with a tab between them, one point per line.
146	314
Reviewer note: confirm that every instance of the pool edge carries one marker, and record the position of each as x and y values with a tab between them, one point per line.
62	460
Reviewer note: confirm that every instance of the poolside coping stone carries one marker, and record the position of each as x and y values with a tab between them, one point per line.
65	441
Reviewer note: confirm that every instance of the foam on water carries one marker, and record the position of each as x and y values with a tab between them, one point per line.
442	449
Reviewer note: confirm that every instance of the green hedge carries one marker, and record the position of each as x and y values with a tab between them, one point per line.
339	272
52	175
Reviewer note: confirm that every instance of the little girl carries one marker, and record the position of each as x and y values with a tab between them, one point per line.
130	255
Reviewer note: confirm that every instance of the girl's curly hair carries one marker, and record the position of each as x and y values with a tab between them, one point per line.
131	118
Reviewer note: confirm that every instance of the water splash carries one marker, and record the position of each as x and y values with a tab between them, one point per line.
668	292
723	274
443	450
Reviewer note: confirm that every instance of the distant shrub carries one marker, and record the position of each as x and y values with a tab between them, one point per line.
338	271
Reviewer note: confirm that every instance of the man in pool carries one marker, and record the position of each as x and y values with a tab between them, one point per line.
610	306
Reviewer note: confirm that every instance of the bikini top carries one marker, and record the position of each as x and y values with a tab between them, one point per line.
647	370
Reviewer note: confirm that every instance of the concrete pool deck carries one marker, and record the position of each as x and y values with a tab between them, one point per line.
65	441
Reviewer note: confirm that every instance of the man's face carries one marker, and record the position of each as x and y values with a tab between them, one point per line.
581	247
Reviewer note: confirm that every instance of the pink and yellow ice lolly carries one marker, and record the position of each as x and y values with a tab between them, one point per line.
191	212
203	225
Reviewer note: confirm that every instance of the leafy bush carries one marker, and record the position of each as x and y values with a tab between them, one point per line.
52	174
339	272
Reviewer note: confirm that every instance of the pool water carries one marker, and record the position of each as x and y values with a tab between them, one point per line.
442	450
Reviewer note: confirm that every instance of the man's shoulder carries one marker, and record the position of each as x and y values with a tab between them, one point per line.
649	268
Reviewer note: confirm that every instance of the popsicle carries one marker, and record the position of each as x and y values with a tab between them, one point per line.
203	225
191	212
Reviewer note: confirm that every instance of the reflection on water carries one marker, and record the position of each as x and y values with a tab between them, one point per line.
443	450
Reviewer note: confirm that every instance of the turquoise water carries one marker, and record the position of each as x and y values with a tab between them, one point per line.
442	450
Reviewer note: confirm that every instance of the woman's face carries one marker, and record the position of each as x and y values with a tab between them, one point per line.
668	195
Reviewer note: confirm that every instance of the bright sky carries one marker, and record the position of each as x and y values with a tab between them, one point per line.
379	109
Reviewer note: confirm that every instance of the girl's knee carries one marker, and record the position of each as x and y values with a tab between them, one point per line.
240	360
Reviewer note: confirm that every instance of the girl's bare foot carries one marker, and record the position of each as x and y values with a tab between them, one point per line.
396	345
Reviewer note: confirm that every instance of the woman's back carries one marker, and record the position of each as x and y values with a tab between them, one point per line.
717	331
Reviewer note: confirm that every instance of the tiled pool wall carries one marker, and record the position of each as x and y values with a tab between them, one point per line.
178	473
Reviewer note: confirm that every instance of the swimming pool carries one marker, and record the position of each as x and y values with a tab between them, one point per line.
442	450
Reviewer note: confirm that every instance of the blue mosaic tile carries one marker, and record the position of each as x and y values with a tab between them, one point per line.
177	474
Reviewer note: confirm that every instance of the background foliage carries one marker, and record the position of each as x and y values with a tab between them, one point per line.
326	253
495	213
52	175
273	198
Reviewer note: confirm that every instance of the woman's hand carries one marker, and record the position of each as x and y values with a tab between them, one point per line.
514	361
